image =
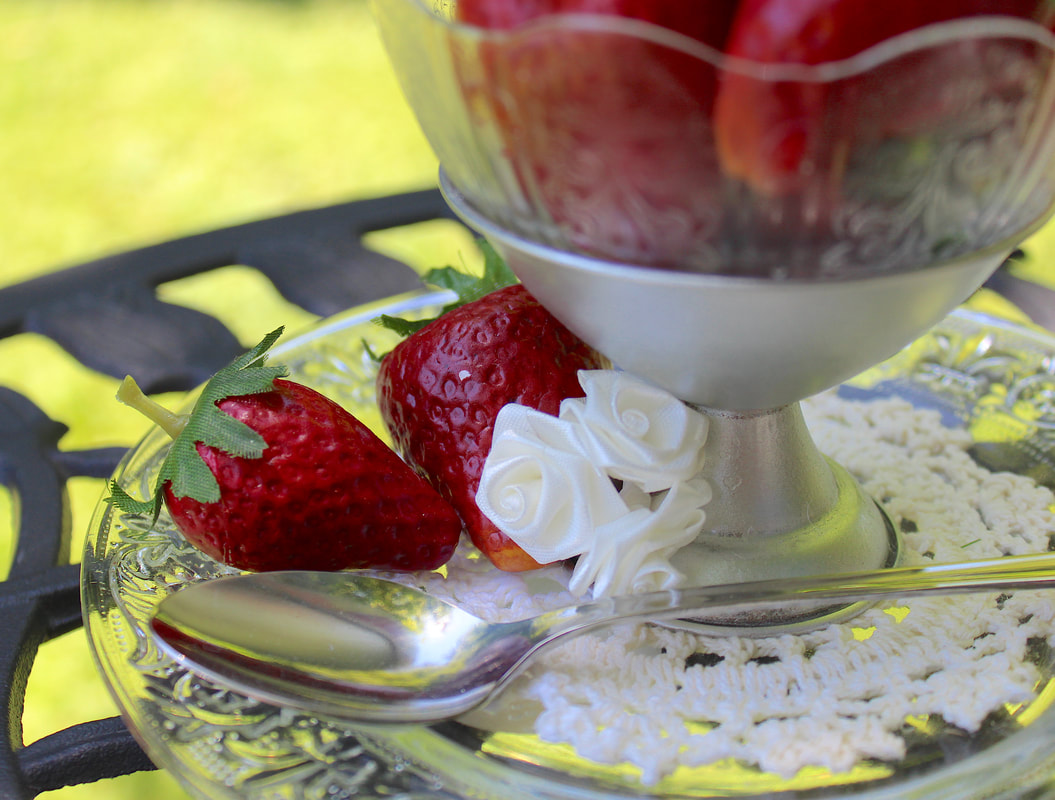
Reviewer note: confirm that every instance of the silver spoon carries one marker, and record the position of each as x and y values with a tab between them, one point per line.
362	648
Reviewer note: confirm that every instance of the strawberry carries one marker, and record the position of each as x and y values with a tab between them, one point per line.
698	19
779	136
608	133
268	474
441	388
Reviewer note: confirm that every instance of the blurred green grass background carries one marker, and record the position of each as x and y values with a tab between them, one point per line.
125	122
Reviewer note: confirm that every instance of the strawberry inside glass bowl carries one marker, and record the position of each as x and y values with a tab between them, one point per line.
741	224
619	138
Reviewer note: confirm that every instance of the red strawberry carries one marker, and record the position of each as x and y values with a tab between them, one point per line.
779	136
440	390
609	133
268	474
698	19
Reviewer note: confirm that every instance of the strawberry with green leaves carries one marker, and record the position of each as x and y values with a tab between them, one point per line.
267	474
441	388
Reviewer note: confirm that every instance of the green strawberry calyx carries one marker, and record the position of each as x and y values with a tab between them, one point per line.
467	287
183	468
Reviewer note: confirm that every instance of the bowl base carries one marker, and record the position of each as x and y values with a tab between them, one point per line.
788	619
796	617
781	509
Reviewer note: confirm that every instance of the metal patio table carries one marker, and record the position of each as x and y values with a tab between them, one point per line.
316	259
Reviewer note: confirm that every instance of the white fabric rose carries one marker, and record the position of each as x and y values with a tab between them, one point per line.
549	483
632	553
541	491
636	431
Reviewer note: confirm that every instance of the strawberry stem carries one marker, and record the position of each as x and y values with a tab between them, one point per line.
496	275
130	394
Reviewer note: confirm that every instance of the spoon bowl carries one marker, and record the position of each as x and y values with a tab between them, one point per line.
363	648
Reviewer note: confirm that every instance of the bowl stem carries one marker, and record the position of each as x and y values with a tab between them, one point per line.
780	509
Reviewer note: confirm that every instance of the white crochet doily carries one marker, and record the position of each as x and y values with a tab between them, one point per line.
661	699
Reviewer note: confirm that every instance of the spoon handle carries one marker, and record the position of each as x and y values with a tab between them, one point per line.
1009	572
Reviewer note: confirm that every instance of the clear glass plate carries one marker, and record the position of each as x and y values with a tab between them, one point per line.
994	379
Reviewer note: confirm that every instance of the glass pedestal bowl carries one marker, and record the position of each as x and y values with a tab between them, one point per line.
744	235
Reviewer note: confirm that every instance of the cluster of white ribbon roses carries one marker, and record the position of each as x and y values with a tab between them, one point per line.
612	480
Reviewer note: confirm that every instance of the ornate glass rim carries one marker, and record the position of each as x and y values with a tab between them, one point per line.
993	26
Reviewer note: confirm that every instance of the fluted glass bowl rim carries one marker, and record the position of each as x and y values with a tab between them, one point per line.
979	27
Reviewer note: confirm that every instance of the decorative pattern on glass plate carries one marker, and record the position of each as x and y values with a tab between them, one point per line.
992	379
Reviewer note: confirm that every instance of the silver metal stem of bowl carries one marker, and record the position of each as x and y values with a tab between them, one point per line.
782	509
748	350
766	474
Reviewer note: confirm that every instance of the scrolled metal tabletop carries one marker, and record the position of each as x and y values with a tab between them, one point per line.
315	259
